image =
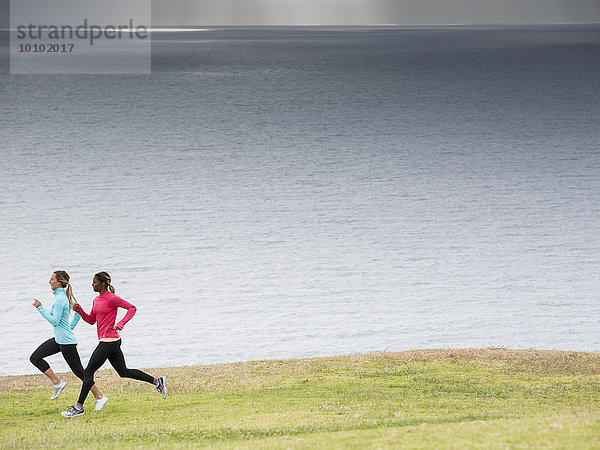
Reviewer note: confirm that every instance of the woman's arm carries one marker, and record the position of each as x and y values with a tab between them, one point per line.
120	303
75	321
89	318
51	317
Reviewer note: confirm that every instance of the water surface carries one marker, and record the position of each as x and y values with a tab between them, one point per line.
292	192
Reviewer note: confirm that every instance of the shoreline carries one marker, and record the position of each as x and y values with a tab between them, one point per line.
522	356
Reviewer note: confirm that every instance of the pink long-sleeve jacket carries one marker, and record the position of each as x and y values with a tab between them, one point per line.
104	314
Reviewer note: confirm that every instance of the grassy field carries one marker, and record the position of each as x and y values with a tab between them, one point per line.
488	398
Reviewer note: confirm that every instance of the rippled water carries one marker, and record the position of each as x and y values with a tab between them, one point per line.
275	193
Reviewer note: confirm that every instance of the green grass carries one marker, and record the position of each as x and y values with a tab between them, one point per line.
489	398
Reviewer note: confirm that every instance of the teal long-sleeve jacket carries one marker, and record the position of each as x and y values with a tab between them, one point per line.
58	316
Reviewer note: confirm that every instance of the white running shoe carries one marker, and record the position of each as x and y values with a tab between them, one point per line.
99	403
72	412
58	389
162	386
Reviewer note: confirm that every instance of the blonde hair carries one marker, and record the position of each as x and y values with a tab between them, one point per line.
104	277
63	278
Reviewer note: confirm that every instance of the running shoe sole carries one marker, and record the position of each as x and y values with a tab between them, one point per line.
162	386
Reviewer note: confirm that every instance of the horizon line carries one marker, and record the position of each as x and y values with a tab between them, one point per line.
192	28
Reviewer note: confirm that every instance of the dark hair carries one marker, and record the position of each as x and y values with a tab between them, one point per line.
104	277
63	278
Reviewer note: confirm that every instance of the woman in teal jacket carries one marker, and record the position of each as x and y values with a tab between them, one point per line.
64	340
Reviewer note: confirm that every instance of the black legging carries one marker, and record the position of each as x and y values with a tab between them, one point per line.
112	352
51	347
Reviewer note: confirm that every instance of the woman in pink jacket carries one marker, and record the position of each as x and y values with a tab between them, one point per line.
104	314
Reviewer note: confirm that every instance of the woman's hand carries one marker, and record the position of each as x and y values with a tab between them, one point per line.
36	303
116	327
76	305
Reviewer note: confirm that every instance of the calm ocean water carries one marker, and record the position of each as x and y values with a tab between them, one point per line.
276	193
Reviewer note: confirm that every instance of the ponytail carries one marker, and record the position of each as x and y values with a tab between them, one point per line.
70	296
111	288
